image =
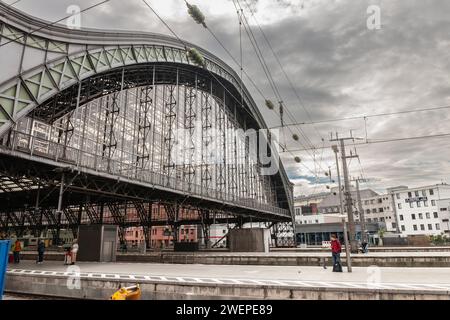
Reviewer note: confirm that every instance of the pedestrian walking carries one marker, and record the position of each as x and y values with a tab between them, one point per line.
16	251
67	254
40	250
74	251
336	249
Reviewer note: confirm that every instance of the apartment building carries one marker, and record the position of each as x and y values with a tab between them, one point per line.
379	209
423	210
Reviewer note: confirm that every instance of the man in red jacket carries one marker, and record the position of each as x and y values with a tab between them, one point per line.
336	249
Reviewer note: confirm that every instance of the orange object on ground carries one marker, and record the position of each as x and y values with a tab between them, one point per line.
127	293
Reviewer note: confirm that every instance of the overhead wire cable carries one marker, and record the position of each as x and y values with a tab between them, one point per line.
55	22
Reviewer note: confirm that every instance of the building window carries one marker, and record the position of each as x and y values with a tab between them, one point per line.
420	215
430	227
424	193
431	192
369	220
403	228
409	195
415	227
398	195
416	193
425	203
401	217
374	210
381	210
368	211
433	202
427	215
422	227
413	216
419	204
394	225
438	226
411	205
435	214
399	205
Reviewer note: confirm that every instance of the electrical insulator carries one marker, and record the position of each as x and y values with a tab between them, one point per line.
196	57
196	14
270	104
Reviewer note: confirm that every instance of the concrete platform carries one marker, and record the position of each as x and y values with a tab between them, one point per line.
381	259
163	281
372	249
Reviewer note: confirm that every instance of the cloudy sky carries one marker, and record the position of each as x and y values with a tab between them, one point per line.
339	67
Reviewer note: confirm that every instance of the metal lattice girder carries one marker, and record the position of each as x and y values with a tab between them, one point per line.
207	140
190	116
63	71
58	76
145	109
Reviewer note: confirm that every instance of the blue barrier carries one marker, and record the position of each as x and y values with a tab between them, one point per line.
5	245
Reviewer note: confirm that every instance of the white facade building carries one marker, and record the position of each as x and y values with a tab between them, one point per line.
424	210
319	219
380	209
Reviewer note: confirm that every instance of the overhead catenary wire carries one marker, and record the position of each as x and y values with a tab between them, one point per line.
55	22
288	112
186	47
281	66
13	3
199	18
262	61
213	34
384	114
269	75
381	141
274	87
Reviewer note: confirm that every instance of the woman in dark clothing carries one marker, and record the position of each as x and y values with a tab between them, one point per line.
336	249
41	250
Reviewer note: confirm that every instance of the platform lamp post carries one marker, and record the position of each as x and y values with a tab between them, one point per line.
341	203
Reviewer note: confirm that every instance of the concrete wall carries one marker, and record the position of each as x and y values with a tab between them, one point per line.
249	240
102	289
97	243
388	260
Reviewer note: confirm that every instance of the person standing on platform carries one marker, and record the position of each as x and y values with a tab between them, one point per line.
41	250
336	249
16	251
74	251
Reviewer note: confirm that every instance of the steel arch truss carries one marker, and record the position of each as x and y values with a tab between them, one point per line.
69	104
